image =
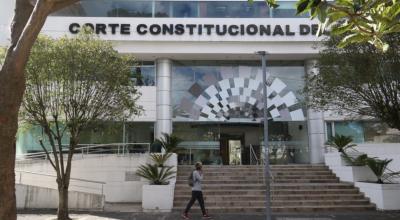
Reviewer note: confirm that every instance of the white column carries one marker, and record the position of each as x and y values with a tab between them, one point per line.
315	122
164	105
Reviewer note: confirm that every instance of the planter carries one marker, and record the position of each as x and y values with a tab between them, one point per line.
354	173
384	196
158	198
334	159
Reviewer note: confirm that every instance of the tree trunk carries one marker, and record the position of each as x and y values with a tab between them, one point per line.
25	27
62	212
11	87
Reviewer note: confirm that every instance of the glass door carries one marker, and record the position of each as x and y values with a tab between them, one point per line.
235	152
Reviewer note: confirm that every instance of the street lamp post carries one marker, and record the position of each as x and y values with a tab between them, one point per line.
263	55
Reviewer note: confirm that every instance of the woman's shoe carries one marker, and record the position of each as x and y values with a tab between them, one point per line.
206	216
185	216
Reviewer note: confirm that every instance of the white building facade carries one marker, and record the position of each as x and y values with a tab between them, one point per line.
201	80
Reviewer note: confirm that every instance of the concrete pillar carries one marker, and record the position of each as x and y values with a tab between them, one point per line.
164	105
315	122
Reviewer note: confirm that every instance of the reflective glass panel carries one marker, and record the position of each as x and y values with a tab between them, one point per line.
144	75
178	9
232	91
353	129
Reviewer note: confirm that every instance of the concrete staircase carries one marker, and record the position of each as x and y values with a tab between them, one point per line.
295	188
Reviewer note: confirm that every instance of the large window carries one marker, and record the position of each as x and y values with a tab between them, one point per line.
232	91
179	9
363	131
139	133
144	74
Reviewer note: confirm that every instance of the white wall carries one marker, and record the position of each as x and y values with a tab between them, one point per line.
31	197
383	151
6	14
197	47
148	102
58	26
118	173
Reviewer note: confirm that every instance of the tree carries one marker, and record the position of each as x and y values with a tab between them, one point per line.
358	79
27	22
71	84
169	142
359	20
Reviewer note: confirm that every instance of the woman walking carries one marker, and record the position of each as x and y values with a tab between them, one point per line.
197	194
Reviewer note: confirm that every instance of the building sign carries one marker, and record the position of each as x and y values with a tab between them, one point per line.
197	29
188	29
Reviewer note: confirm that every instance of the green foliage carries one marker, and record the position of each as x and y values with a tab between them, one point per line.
358	161
362	21
156	175
169	143
78	80
341	143
3	52
358	80
159	158
379	168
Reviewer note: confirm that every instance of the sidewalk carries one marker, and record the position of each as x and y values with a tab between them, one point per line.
47	215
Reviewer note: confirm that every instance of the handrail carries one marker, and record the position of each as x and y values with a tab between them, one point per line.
260	161
74	182
120	148
51	175
253	156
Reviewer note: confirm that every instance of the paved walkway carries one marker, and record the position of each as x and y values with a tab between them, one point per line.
46	215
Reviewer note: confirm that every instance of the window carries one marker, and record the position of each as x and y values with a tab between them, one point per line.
179	9
286	10
364	131
144	75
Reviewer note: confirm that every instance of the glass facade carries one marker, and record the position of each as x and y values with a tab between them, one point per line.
217	106
363	131
144	74
210	143
232	91
100	133
179	9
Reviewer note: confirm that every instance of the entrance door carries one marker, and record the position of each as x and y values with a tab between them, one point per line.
231	149
235	152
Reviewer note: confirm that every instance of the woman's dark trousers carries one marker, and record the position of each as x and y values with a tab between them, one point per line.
196	195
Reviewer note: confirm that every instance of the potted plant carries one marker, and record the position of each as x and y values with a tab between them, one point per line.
156	175
348	166
159	194
160	159
355	170
384	192
169	143
341	144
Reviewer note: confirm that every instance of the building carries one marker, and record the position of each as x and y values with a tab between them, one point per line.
201	79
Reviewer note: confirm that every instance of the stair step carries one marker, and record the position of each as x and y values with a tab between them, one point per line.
294	188
261	197
256	178
281	203
273	192
254	172
261	180
261	209
274	186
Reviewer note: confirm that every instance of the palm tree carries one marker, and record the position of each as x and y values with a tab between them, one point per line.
160	159
341	143
379	168
155	174
169	143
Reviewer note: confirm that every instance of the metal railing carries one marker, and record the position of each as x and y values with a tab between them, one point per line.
253	156
86	149
49	181
254	160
